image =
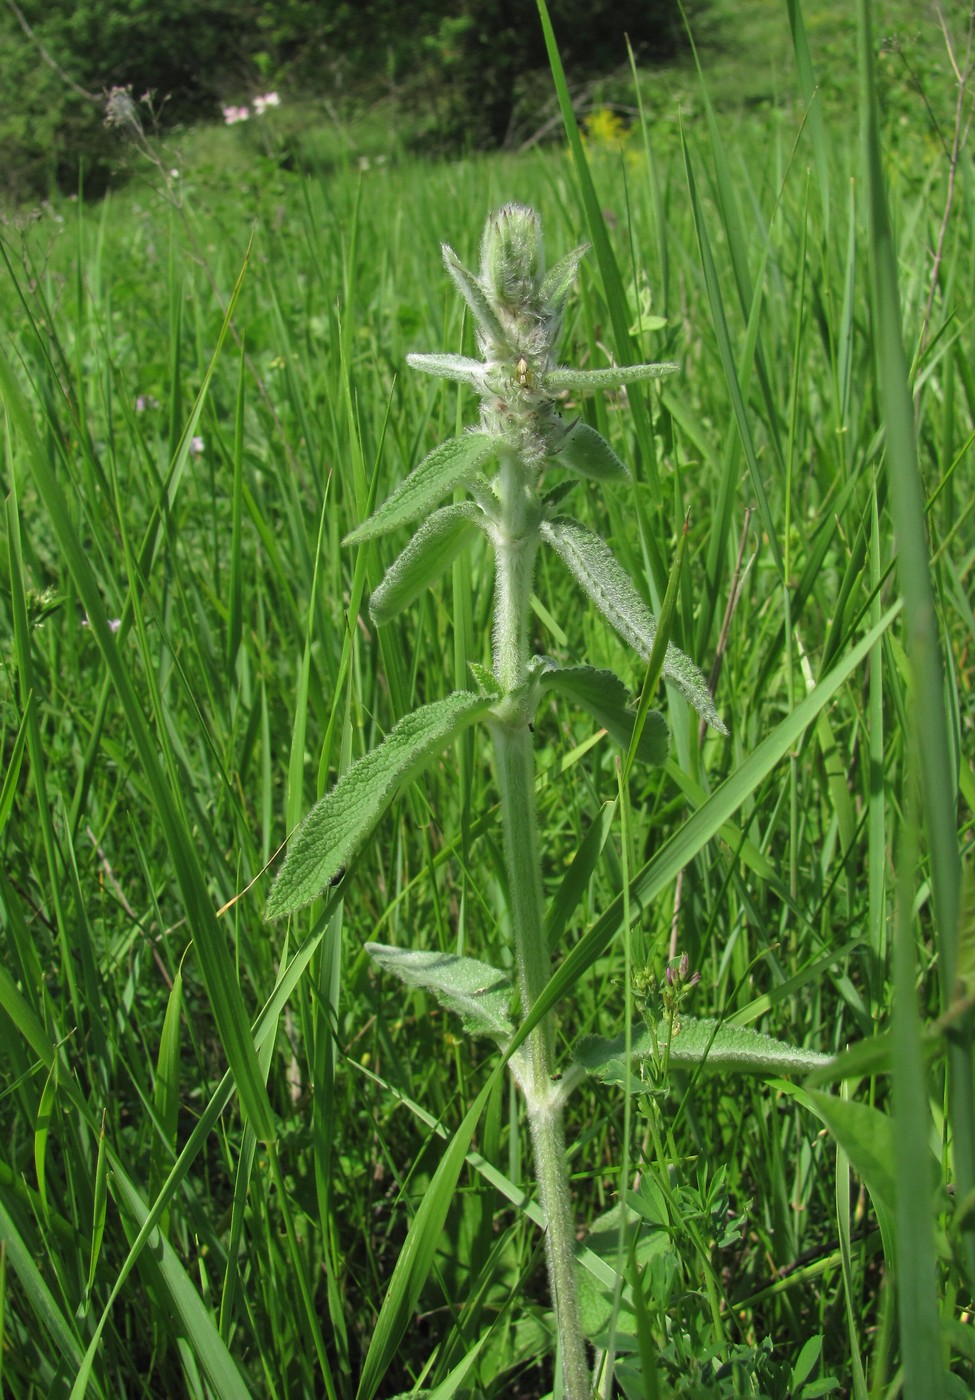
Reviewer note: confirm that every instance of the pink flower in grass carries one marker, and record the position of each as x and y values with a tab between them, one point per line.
232	115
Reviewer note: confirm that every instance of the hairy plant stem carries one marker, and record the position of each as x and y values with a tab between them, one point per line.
516	545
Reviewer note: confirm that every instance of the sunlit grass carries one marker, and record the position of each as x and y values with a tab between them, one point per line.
174	755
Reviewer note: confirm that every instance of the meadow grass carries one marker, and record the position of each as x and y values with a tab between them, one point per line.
202	398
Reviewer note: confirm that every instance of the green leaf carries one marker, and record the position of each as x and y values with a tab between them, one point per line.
435	545
606	698
216	965
447	466
166	1101
867	1137
558	281
479	994
99	1209
595	568
705	1043
12	776
447	366
474	294
612	377
59	1335
181	1298
337	826
587	453
416	1257
485	680
576	879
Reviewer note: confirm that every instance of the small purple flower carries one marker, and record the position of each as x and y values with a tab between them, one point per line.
677	976
232	115
197	446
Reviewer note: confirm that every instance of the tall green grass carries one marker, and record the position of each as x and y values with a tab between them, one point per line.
217	1134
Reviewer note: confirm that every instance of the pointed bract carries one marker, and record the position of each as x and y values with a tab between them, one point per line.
613	377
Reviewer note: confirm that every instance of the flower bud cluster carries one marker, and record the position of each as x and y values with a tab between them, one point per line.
518	315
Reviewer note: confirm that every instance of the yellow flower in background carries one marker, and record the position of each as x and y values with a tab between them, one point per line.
605	130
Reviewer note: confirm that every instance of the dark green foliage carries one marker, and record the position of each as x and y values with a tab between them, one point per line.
459	78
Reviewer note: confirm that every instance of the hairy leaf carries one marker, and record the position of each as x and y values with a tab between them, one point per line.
557	283
612	377
447	466
485	680
474	294
695	1042
435	545
606	698
593	565
479	994
446	366
336	827
587	453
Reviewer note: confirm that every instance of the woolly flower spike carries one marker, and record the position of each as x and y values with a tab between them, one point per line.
518	309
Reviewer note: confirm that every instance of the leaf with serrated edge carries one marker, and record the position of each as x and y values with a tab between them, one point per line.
593	565
587	453
443	469
713	1046
336	827
606	698
479	994
485	680
612	377
435	545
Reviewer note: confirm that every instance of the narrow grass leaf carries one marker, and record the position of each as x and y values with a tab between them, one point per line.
418	1252
99	1213
166	1091
12	775
616	302
720	324
576	879
433	548
195	1319
42	1132
216	966
264	1029
448	466
867	1138
480	995
336	827
43	1305
937	781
